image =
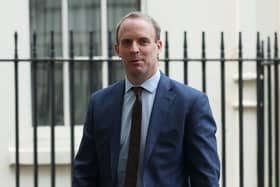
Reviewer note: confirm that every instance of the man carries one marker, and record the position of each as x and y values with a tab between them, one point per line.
177	145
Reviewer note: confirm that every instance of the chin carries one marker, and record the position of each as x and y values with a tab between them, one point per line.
136	73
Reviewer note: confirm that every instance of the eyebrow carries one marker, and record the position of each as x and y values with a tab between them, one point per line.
140	38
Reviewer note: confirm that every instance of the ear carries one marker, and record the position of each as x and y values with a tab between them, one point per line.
159	45
116	47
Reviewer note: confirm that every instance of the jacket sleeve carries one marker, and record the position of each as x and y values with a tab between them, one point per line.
85	167
202	158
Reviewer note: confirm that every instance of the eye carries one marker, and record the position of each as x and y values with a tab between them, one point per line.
144	41
126	42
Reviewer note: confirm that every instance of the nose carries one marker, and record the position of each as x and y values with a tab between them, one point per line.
134	48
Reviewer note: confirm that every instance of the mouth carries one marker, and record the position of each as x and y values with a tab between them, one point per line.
135	61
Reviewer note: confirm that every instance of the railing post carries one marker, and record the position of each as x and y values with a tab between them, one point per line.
240	94
269	101
110	54
276	109
34	107
90	63
185	58
72	100
203	62
223	110
52	107
17	167
260	115
166	54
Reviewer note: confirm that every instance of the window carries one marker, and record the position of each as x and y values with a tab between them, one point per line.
85	17
116	10
81	17
45	16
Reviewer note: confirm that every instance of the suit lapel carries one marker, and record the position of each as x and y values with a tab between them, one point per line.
115	115
162	104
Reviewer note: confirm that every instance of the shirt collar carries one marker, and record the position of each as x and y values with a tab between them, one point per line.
149	85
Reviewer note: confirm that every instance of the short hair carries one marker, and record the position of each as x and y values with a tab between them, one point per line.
139	15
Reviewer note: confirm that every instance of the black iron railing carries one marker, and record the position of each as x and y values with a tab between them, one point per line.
267	82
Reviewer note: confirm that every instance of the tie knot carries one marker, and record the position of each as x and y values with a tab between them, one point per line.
137	91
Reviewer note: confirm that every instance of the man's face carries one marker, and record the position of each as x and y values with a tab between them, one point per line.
138	48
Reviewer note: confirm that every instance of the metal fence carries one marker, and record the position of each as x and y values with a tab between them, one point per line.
267	109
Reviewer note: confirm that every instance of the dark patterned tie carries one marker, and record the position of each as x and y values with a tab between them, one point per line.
134	141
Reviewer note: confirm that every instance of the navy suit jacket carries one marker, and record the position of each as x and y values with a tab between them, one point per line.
181	147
